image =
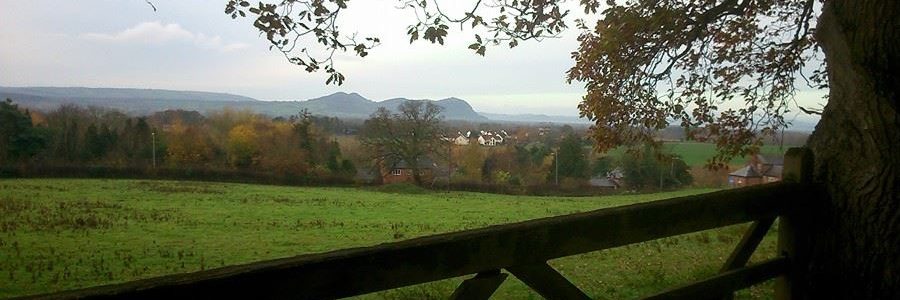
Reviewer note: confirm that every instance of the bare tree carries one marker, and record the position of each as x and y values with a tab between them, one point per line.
412	135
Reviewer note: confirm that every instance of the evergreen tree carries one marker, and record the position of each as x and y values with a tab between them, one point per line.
571	158
18	138
649	169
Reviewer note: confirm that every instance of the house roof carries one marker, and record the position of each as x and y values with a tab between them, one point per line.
603	182
746	171
750	171
423	163
615	173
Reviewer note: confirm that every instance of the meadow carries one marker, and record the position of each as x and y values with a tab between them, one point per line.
58	234
696	154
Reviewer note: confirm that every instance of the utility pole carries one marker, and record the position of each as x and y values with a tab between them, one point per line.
660	178
449	163
556	155
153	138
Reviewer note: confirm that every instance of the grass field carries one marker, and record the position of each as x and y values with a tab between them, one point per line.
58	234
696	154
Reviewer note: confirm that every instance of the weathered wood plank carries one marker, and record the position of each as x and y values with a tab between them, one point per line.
358	271
545	280
748	244
482	286
727	282
745	248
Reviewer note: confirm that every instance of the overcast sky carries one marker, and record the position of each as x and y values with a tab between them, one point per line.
193	45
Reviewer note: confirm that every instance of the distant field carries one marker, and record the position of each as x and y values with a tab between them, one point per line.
58	234
696	154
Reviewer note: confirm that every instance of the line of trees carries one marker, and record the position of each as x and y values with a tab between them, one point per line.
535	163
304	146
225	140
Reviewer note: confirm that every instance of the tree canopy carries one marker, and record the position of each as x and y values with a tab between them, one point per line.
571	158
18	138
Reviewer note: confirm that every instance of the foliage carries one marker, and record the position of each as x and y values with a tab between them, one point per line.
296	27
291	26
689	62
572	159
242	146
19	139
471	162
601	166
58	234
188	145
501	177
488	168
227	139
647	168
99	142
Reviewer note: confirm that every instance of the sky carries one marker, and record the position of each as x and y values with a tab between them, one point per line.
193	45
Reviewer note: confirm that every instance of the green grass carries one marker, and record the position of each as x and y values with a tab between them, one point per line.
697	154
58	234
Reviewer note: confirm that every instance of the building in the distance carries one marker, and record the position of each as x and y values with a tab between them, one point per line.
402	171
759	169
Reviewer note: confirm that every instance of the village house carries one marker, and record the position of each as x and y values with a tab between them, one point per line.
461	140
403	172
759	169
543	130
612	180
491	139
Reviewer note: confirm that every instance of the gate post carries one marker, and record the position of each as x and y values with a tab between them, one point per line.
794	225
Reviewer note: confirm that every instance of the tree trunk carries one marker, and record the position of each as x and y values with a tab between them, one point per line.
417	175
855	243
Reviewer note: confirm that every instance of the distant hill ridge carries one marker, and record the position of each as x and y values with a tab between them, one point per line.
352	105
122	93
146	101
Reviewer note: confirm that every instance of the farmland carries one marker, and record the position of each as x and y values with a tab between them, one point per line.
696	154
58	234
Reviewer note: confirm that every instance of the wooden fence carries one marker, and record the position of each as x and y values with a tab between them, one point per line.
521	249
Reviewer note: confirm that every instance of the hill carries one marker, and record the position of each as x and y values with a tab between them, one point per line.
121	93
147	101
135	101
355	106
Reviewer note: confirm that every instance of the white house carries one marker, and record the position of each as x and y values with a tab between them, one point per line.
461	140
490	139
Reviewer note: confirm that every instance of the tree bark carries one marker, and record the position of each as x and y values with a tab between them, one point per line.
855	251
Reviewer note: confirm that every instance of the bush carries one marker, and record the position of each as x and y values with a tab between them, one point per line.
571	184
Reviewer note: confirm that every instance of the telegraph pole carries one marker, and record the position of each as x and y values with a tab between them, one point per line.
556	155
153	138
449	163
